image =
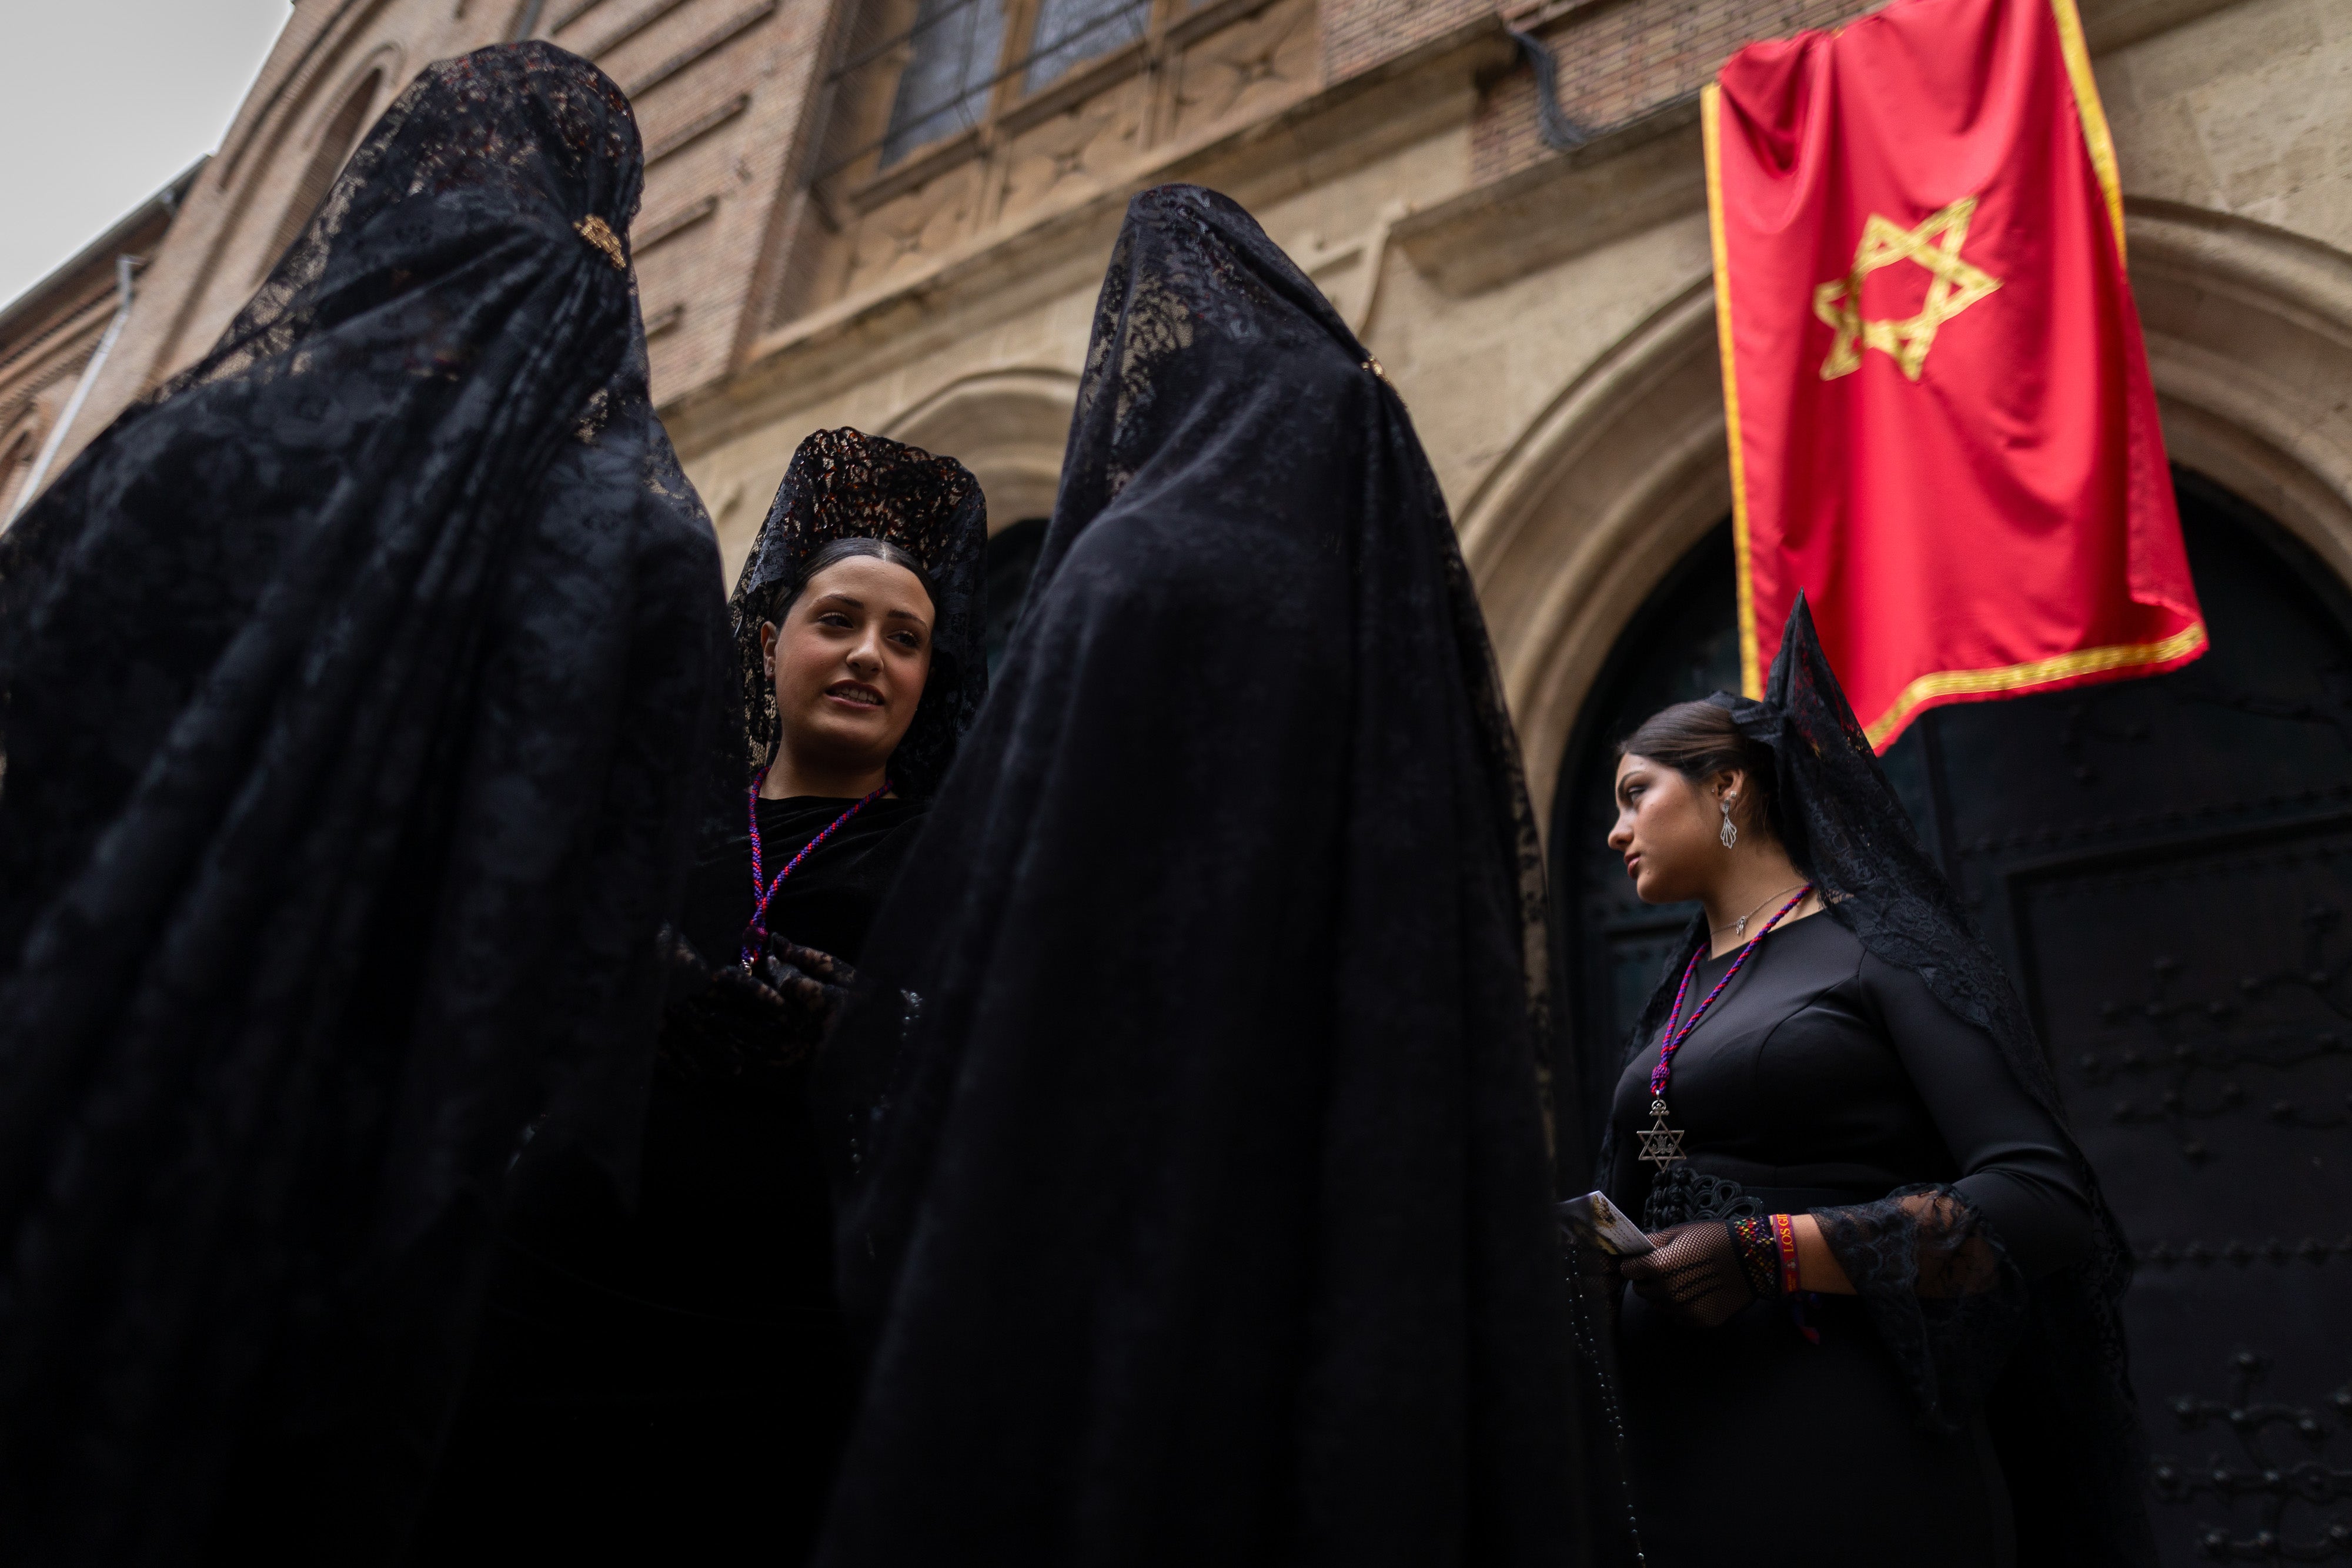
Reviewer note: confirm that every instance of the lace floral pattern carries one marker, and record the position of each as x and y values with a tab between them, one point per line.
1940	1289
1681	1195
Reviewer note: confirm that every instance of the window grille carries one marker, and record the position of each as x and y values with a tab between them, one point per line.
1071	32
945	70
951	54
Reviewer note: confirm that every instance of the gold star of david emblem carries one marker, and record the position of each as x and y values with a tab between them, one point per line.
1933	245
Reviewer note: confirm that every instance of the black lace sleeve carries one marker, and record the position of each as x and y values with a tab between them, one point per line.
1940	1289
1943	1268
2010	1154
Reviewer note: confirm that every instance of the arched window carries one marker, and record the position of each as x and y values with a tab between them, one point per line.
336	140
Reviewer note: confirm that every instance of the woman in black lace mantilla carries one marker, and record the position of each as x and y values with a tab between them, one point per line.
1882	1308
353	691
672	1381
1210	1222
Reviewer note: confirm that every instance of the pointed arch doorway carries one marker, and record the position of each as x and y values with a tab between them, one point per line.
2166	866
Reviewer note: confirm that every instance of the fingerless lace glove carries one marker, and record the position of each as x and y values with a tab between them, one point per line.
1703	1273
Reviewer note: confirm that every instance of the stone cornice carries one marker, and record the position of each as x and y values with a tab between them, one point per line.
1059	247
1631	178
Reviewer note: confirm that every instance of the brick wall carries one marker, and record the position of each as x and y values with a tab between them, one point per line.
1618	59
1360	34
720	89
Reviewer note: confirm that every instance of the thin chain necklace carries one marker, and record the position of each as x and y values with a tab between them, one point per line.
1663	1146
763	891
1739	926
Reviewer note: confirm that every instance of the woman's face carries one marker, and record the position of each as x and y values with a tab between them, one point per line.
1667	829
849	663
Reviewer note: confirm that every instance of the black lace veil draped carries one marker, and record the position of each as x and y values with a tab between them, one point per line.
353	694
1210	1217
844	484
2047	1361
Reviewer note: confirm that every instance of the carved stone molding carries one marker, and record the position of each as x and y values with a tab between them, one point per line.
1606	489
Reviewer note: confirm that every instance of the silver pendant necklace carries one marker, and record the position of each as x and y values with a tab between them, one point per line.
1663	1146
1739	926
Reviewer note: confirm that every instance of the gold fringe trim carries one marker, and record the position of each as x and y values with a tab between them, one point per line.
2088	109
1710	116
2115	657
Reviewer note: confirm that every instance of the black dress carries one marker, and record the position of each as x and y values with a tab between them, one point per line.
1825	1077
676	1379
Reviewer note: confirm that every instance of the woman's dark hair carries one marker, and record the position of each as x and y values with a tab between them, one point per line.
1699	740
838	550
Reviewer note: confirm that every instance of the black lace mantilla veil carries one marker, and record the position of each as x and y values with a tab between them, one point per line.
844	484
1211	1219
2047	1361
350	692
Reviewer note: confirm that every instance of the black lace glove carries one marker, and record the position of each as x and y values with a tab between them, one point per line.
726	1021
1703	1273
816	983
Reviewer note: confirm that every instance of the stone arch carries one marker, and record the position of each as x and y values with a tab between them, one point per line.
1008	427
2250	339
2249	331
1606	490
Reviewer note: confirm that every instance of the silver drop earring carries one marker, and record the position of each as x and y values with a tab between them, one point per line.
1730	834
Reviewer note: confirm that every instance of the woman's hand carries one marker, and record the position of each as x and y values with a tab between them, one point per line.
723	1021
814	985
1696	1276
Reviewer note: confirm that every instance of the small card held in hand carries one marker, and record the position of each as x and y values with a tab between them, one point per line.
1597	1222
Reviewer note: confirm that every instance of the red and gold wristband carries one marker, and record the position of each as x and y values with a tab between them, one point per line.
1784	1233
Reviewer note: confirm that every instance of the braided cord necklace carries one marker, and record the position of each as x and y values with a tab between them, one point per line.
1663	1146
763	891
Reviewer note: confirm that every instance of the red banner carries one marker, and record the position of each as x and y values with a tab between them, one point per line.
1942	423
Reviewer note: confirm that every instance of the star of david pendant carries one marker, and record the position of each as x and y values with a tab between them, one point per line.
1662	1146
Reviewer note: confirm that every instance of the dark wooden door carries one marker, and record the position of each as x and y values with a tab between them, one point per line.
2167	866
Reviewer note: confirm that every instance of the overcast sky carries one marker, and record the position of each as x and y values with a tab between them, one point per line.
102	101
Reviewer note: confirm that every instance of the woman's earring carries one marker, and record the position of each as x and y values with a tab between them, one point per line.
1730	834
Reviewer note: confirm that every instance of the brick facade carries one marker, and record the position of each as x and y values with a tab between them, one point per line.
1617	60
1359	35
1392	144
720	88
730	98
729	94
